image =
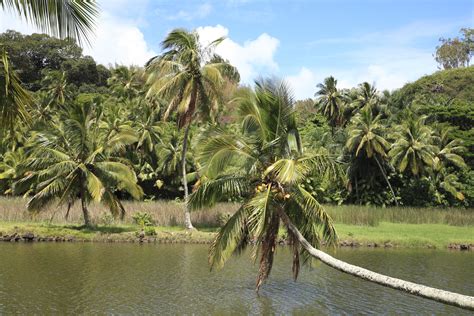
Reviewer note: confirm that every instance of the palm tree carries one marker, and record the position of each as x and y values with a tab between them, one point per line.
61	18
74	160
330	102
272	169
449	150
14	99
367	96
413	148
185	77
366	136
268	171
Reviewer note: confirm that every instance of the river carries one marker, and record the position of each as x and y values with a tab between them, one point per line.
99	278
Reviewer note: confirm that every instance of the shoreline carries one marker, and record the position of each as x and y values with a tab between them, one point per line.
37	232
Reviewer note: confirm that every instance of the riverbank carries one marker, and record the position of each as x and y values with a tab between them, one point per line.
386	235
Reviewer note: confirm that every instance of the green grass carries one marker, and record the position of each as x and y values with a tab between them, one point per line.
408	235
401	226
399	235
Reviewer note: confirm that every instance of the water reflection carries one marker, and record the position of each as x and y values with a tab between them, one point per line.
45	278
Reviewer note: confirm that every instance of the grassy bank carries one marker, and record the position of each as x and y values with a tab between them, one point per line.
398	227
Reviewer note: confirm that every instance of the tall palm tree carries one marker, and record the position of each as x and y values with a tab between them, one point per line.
330	101
186	76
268	171
74	160
366	136
413	147
272	169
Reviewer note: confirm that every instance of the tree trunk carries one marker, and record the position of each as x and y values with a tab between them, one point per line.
85	211
446	297
69	205
187	216
386	179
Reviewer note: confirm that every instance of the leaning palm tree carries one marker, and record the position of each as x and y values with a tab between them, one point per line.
265	167
74	160
185	76
330	102
367	136
413	148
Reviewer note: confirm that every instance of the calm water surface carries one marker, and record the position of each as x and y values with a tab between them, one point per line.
45	278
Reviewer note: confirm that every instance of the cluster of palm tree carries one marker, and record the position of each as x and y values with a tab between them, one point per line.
381	143
87	147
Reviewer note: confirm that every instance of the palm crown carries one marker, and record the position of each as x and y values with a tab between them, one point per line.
265	166
75	159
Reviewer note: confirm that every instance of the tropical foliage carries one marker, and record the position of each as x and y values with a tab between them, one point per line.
265	166
410	147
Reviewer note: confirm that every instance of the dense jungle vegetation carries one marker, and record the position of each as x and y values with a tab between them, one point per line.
85	131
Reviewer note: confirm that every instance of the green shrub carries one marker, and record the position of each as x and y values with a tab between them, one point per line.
143	219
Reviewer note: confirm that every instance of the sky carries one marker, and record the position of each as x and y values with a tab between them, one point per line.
385	42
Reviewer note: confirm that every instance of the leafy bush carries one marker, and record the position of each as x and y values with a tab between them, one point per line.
143	219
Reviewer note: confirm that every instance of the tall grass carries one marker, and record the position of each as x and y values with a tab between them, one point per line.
170	213
164	213
372	216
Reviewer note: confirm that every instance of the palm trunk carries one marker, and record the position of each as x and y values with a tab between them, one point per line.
446	297
69	205
85	211
386	179
187	216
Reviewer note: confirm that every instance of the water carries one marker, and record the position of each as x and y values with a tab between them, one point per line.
47	278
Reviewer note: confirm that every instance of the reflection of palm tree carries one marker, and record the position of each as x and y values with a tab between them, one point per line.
366	136
183	76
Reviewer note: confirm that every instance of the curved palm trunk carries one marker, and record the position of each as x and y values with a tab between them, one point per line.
187	215
446	297
386	179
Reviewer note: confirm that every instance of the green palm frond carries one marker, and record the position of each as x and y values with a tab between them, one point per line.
60	18
210	191
14	99
228	239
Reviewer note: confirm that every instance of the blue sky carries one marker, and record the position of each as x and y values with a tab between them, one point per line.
385	42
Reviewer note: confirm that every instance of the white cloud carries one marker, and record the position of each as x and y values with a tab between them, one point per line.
10	21
303	84
251	58
119	41
115	40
